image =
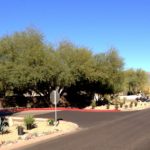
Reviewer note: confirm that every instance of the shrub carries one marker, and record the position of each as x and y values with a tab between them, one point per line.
126	106
121	104
116	106
108	106
29	119
135	104
51	122
131	104
93	104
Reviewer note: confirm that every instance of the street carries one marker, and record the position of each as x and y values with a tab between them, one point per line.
101	131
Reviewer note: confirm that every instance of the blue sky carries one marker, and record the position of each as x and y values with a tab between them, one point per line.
96	24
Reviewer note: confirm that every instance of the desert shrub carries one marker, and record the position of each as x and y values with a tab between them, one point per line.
51	122
108	106
126	106
131	104
116	106
121	105
29	119
135	104
93	104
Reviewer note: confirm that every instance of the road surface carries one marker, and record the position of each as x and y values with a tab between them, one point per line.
101	131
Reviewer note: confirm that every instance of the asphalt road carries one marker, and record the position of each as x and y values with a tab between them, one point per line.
101	131
85	119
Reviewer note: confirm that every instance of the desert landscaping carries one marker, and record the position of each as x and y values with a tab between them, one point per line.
42	130
128	105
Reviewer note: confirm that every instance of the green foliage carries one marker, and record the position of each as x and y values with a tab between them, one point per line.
51	122
108	106
93	104
121	105
135	104
135	80
78	62
126	106
131	104
29	119
21	57
109	71
116	106
28	63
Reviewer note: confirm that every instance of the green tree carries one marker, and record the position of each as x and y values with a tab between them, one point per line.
109	72
135	80
21	57
79	60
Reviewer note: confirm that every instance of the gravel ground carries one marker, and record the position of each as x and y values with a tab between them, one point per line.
9	140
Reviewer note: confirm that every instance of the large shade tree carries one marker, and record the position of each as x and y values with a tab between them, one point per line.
28	63
135	80
22	57
80	63
108	72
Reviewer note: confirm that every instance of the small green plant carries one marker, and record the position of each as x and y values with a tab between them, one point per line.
126	106
3	125
135	104
116	106
93	104
29	121
51	122
108	106
121	105
131	104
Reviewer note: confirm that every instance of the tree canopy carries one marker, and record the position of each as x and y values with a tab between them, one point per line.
135	80
28	63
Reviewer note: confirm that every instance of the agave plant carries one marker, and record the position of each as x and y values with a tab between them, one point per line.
3	125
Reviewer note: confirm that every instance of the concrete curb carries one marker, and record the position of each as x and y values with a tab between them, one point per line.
14	110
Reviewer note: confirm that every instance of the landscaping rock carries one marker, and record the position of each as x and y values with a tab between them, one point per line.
10	121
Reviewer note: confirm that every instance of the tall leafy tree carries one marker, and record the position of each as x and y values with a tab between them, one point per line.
135	80
79	60
109	72
28	63
21	57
